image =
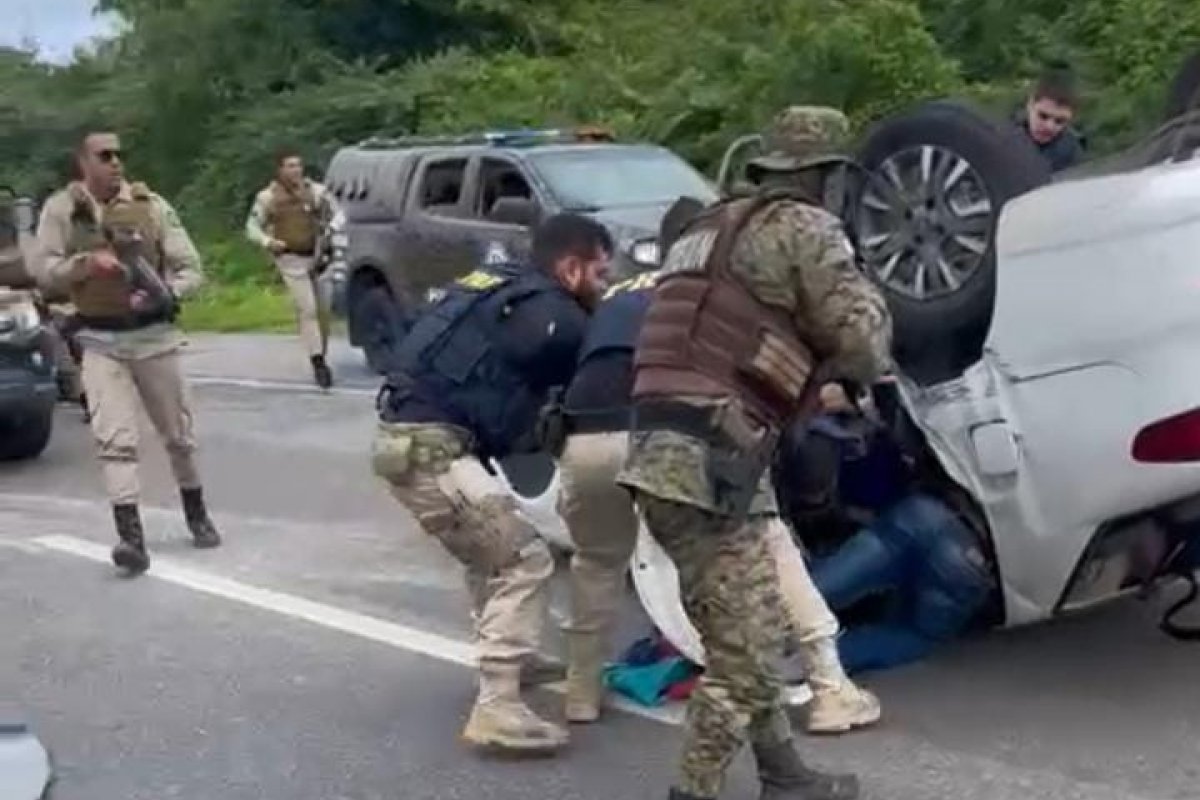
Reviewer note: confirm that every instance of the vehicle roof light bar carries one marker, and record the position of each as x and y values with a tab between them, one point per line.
502	138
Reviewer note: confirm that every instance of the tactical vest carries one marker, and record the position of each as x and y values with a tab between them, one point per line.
292	218
617	321
129	228
705	335
453	360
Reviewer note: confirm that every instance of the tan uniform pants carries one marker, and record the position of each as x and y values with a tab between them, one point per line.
507	566
603	523
312	318
115	389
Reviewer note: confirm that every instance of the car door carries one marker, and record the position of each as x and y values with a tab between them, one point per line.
495	177
437	230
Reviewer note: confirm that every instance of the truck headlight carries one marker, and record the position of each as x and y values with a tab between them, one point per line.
645	253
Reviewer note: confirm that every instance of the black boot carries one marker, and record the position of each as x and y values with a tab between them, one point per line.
204	533
680	794
130	553
785	777
321	372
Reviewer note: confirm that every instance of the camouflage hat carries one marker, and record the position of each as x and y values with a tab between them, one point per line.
804	136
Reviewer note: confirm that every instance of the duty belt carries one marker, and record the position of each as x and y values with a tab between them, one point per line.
605	420
685	418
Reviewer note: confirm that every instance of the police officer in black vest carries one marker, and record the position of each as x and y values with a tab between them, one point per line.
466	387
591	449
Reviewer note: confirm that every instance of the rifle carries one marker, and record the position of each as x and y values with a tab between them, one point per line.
127	244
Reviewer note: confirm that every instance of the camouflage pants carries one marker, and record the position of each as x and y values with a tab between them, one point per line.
431	472
730	592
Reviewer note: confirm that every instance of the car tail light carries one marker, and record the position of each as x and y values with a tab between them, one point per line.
1173	440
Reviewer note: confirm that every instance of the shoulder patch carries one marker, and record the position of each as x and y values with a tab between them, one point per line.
481	280
140	191
637	283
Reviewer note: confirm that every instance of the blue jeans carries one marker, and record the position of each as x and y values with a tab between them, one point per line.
921	552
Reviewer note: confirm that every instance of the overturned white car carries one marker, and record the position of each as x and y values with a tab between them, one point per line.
1046	329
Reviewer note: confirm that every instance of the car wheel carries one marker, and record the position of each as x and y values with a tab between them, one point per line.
1184	93
380	324
923	217
26	436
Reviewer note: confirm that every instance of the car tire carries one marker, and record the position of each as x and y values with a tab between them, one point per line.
27	436
1184	92
958	168
379	325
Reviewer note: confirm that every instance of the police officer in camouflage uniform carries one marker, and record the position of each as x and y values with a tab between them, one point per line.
603	523
295	220
467	387
756	296
119	251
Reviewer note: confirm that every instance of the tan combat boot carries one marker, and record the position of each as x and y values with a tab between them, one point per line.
838	704
585	677
501	721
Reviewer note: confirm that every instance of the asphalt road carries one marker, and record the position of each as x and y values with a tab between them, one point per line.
320	655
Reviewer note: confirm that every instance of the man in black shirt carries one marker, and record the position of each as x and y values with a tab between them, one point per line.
1047	116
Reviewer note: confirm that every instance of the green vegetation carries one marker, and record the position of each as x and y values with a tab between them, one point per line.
204	91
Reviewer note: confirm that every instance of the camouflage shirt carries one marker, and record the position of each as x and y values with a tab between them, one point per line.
793	256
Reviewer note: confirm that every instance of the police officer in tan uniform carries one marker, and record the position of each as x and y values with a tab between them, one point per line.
121	254
296	219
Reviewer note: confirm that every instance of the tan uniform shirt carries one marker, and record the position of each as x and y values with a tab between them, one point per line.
56	268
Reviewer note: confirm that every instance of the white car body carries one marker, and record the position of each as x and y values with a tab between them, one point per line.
1095	335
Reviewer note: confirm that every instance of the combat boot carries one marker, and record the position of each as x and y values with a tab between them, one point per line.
538	669
501	721
785	776
585	677
130	553
680	794
321	372
204	533
838	704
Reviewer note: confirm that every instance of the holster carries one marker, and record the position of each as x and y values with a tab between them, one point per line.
740	449
552	425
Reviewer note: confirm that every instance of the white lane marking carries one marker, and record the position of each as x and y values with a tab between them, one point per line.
393	634
288	386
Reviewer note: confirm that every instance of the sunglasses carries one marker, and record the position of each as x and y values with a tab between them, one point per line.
108	156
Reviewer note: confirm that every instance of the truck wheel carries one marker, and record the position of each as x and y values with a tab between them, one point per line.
924	217
379	325
26	436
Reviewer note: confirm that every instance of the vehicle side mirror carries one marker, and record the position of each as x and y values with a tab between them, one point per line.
514	211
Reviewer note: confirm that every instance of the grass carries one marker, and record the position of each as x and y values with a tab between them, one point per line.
220	308
242	294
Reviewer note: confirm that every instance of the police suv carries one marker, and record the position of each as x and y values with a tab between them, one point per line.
422	211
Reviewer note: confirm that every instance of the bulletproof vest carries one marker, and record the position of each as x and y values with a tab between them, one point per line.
617	321
454	358
130	229
293	218
706	335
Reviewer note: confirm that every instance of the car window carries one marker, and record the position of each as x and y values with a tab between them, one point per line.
499	179
593	179
442	185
